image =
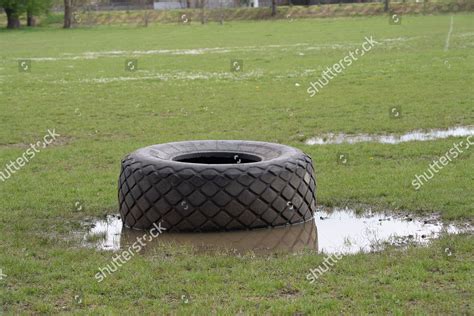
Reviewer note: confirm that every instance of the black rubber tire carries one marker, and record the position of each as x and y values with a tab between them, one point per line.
216	186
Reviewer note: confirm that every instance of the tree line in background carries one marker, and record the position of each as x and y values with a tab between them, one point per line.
14	9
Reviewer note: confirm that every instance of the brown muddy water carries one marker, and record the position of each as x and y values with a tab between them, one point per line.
333	230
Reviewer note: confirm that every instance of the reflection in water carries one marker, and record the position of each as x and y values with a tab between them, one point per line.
338	230
111	236
104	234
342	138
261	241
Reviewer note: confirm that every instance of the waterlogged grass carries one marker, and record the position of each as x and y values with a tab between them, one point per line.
78	85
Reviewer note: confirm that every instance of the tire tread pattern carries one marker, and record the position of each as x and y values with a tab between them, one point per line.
239	198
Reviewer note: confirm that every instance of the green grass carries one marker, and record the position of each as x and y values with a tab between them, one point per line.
201	99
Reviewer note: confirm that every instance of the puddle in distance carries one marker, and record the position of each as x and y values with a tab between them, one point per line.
333	230
434	134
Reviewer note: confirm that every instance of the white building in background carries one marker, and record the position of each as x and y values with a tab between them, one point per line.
254	3
165	5
210	4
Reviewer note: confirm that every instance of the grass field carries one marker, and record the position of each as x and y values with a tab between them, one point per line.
183	89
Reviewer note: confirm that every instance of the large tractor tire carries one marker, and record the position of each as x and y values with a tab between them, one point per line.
216	186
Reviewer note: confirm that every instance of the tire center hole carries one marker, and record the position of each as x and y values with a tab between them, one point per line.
218	158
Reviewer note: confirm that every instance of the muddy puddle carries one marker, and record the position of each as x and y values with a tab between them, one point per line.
343	230
333	230
341	138
109	234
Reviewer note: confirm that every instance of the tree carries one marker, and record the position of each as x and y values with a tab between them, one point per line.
146	16
202	5
273	7
30	18
13	10
67	14
35	8
69	8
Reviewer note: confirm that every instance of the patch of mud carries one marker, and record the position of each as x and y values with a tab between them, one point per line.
421	136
